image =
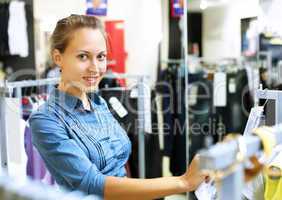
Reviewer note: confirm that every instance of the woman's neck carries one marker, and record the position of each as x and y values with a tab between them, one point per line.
74	91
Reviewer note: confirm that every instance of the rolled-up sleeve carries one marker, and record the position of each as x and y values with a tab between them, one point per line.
63	156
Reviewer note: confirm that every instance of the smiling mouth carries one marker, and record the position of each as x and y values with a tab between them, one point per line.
91	80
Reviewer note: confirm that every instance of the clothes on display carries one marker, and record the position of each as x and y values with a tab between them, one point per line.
17	29
31	103
4	37
253	79
14	125
109	82
235	114
208	123
173	107
36	168
23	159
169	77
13	29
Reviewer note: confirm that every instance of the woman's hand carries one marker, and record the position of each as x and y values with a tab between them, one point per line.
193	177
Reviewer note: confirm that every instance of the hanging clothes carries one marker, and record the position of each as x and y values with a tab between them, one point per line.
17	29
167	89
174	129
36	168
207	124
4	38
174	115
202	124
235	114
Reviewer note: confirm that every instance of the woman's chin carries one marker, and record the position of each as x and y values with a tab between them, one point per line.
90	88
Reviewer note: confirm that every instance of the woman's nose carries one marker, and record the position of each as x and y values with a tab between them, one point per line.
94	66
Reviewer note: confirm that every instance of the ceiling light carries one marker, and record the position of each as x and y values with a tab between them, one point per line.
203	4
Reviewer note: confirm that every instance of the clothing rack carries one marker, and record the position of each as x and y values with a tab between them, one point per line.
8	88
222	157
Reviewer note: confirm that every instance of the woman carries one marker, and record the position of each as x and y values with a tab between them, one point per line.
83	146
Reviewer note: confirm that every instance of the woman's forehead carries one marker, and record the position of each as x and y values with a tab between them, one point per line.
88	39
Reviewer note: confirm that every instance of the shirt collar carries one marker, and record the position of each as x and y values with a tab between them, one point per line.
71	102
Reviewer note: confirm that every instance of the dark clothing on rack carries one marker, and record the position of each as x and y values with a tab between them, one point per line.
201	117
174	120
174	112
206	123
167	87
4	38
108	83
239	103
153	156
16	62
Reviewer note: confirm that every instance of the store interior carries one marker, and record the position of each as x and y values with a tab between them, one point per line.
190	77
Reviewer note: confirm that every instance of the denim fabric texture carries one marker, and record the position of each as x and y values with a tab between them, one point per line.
80	147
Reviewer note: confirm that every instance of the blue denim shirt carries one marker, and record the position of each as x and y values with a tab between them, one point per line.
80	147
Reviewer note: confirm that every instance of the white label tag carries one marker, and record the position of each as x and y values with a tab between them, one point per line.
134	93
232	86
219	89
254	119
148	111
206	191
118	107
193	94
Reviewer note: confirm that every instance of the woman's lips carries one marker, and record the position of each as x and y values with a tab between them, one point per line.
90	80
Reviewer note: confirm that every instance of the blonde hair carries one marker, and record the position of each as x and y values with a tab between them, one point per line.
67	26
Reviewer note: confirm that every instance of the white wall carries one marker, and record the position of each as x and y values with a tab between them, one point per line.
143	32
222	28
271	15
143	27
46	14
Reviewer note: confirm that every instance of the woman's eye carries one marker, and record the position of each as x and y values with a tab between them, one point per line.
101	57
83	57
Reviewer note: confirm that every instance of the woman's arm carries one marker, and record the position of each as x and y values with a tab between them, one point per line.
143	189
137	189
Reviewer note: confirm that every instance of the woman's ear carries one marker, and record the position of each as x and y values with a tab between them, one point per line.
57	57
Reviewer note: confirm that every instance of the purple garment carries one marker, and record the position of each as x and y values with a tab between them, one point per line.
36	168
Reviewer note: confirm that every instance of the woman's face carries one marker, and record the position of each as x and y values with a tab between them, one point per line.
83	62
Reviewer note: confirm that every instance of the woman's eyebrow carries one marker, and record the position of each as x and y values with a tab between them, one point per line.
88	52
84	51
102	52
